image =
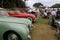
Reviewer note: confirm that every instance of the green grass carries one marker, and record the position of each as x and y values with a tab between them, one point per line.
41	21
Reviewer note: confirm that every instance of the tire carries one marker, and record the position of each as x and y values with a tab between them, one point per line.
58	37
58	34
12	36
29	18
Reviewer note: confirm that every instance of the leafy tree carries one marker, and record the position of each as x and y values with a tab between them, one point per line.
1	3
9	3
37	5
20	3
12	3
56	6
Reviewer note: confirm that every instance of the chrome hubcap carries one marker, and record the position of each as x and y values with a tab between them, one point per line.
12	37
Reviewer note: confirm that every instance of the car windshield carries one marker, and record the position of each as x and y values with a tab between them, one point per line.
3	12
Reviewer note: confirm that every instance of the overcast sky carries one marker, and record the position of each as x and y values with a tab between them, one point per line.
44	2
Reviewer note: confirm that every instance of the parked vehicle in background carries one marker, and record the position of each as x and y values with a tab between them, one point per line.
34	13
23	15
58	30
55	23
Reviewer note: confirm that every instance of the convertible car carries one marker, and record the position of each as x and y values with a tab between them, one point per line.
23	15
12	28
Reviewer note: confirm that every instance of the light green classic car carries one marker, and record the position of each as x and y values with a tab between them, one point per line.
12	28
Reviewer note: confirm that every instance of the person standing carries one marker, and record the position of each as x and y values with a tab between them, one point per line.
30	10
45	14
53	12
37	12
48	12
58	14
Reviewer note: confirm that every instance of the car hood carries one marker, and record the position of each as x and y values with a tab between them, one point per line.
13	19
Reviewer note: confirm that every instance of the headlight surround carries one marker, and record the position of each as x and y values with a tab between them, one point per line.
29	37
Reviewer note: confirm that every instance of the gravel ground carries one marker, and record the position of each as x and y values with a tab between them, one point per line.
43	32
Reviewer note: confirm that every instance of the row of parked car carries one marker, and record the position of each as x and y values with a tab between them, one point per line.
15	26
55	23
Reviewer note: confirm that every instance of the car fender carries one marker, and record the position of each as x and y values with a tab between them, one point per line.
21	29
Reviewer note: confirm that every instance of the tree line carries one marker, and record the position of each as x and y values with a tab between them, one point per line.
12	3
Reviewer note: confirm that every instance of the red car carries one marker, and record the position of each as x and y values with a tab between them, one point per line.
23	15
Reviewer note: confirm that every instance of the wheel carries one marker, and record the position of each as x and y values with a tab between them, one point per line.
29	18
12	36
58	34
58	37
